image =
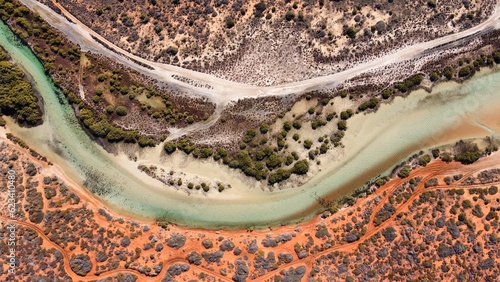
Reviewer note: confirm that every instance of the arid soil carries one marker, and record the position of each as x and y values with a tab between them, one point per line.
439	223
273	41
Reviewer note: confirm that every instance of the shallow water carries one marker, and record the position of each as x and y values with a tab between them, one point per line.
374	143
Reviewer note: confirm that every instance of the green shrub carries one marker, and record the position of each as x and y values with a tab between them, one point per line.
172	50
386	94
342	125
466	152
307	144
297	124
424	160
301	167
287	126
121	111
351	32
290	15
274	161
102	77
446	157
435	153
146	142
369	104
17	98
206	152
434	76
100	129
278	176
404	172
448	72
249	136
317	123
115	134
345	115
465	71
264	128
496	57
230	23
330	116
170	147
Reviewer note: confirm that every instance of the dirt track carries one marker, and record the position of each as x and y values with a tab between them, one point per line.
224	91
436	168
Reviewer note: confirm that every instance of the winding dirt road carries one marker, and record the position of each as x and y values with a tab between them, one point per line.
223	91
437	168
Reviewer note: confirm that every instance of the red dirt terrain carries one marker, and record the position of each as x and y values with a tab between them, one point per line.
439	223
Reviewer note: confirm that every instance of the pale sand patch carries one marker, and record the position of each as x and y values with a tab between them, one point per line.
193	170
156	102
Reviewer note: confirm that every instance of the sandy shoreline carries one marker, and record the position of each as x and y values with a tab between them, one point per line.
363	130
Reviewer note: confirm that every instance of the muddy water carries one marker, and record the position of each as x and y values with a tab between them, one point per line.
374	143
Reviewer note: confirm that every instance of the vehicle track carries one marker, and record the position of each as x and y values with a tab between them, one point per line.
372	230
223	91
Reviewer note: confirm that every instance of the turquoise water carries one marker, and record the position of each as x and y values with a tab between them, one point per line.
374	144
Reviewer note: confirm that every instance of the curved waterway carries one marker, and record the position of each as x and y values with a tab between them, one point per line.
374	143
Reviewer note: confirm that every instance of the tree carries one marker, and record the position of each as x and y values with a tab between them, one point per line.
496	57
249	136
448	72
297	124
100	129
110	109
274	161
435	153
345	115
468	157
301	167
424	160
206	152
121	111
17	98
170	147
278	176
287	126
115	134
172	50
369	104
230	23
264	128
307	144
351	32
146	142
466	152
259	9
290	15
434	76
404	172
101	77
465	71
342	125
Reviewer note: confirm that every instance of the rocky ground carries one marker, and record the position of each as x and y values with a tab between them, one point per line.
274	41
